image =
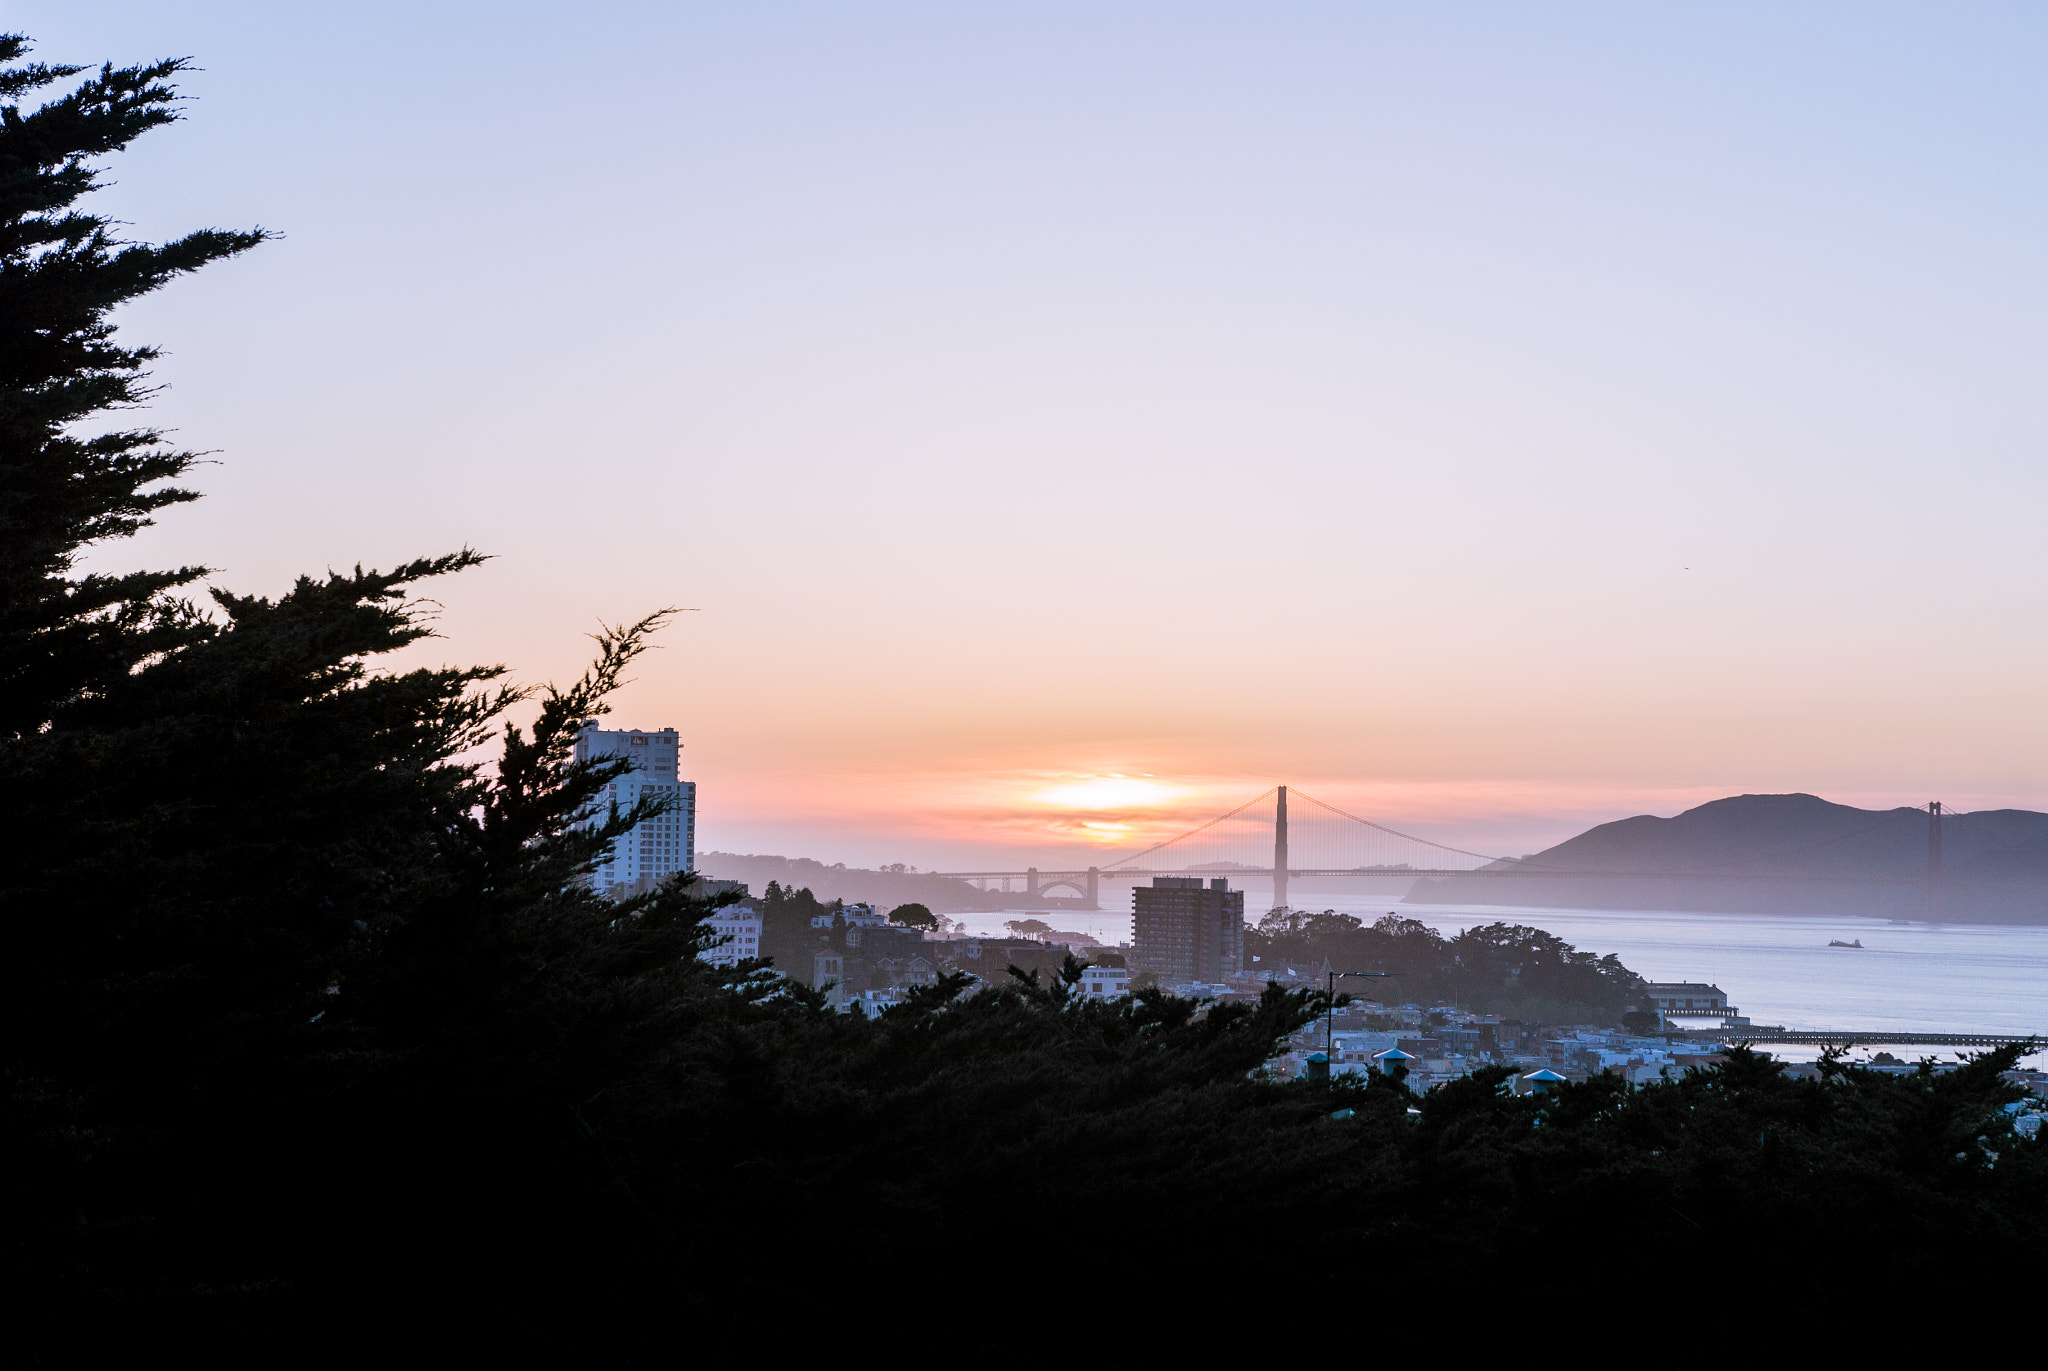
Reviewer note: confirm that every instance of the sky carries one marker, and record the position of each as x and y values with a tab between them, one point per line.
1068	421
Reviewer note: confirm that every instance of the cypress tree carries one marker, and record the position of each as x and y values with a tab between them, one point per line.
259	903
65	636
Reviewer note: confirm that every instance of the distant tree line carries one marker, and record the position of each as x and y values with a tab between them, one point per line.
789	937
884	887
316	1030
796	925
1497	968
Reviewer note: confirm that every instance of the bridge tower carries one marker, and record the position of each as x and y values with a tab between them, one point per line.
1933	855
1280	852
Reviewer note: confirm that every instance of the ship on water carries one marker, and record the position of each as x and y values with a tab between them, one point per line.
1837	942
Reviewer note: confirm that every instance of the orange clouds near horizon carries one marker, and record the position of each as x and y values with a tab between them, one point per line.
1006	820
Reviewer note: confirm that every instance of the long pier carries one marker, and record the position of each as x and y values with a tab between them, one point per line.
1863	1038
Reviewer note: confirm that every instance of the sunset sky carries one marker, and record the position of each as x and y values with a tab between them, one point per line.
1069	421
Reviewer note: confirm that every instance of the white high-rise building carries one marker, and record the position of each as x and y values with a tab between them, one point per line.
740	925
660	847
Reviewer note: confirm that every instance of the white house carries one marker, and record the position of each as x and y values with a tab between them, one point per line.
873	1002
854	916
1105	982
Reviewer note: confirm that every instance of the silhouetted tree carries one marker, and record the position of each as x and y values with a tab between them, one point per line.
253	879
65	638
913	916
1496	968
789	935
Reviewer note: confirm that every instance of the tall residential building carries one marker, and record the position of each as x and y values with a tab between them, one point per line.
657	849
739	924
1185	931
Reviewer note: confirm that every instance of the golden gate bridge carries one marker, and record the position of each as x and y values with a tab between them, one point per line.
1285	835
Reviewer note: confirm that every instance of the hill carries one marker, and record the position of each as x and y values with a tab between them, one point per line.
883	889
1789	854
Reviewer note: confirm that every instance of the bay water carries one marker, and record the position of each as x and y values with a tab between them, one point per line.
1777	968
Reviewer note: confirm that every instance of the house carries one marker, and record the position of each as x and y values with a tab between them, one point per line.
1105	982
740	927
1688	998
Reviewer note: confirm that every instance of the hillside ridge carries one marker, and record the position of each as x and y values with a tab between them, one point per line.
856	885
1796	854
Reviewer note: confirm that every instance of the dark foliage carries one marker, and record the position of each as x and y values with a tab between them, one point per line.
790	935
65	637
913	916
1495	969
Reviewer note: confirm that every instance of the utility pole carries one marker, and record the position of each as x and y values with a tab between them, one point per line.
1280	853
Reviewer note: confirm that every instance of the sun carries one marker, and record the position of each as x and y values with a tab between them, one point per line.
1106	792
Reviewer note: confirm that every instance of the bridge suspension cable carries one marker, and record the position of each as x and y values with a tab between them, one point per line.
1395	832
1203	828
1314	846
1254	838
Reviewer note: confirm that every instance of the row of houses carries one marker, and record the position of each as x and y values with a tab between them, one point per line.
1441	1043
869	963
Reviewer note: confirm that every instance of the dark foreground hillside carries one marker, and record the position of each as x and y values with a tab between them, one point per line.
1789	854
724	1134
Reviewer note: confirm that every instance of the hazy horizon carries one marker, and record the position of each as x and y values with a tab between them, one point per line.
1070	421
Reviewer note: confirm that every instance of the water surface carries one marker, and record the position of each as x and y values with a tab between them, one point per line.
1778	968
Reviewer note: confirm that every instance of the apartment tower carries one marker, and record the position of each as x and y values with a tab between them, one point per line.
660	847
1187	931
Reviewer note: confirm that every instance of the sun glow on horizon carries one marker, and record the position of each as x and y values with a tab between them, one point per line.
1106	792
